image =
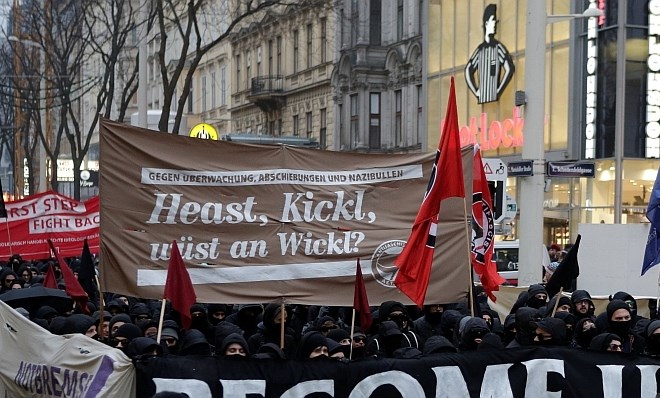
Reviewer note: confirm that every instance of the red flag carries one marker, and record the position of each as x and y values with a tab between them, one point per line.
178	287
72	286
50	280
446	181
483	230
360	300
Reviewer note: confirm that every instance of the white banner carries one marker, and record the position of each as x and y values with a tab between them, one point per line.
36	363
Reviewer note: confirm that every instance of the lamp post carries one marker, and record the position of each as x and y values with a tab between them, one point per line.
532	188
42	108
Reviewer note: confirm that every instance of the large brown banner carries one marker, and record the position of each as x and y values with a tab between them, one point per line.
259	223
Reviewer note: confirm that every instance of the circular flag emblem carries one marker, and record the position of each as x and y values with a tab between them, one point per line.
204	131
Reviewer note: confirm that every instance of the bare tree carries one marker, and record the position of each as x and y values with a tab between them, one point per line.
184	19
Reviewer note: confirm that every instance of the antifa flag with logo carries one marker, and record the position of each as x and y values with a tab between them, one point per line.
566	272
446	181
483	230
72	286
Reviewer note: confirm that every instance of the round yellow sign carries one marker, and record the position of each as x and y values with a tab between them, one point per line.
204	131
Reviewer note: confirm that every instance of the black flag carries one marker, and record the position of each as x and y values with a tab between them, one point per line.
87	272
567	270
3	209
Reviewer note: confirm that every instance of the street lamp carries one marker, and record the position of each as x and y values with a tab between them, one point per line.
532	187
42	107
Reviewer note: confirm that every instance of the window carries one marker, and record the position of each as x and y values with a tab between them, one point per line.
355	22
238	72
309	46
375	22
295	125
342	40
213	90
323	128
279	55
308	122
399	20
374	120
295	51
190	99
324	40
259	61
420	121
223	85
248	74
420	17
203	92
270	57
354	133
397	118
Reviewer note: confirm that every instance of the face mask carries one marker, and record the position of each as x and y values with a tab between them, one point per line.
653	344
584	338
536	303
620	328
434	317
400	321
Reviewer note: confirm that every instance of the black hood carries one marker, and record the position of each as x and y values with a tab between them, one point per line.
231	339
271	313
438	345
224	329
194	343
77	323
602	341
141	345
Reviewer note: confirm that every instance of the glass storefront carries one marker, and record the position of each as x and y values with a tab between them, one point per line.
621	71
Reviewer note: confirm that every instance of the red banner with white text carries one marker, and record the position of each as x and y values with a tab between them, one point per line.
32	221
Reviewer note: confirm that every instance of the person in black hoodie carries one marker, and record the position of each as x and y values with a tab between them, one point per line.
472	334
396	312
437	345
234	345
606	342
585	331
194	343
270	331
247	318
583	306
549	332
389	339
7	278
312	345
143	346
524	330
200	320
430	323
619	321
653	339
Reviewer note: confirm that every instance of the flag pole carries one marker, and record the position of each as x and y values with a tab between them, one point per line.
282	313
101	306
160	320
469	256
558	296
350	354
11	249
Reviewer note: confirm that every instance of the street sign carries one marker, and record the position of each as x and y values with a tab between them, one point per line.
495	169
571	169
204	131
521	169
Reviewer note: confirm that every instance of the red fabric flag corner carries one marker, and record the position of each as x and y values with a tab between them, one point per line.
483	230
446	181
72	286
360	300
178	287
50	280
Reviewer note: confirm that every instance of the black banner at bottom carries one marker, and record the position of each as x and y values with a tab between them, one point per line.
516	373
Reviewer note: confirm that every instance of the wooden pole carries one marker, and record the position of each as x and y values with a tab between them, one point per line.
350	354
558	296
160	321
101	307
282	326
469	258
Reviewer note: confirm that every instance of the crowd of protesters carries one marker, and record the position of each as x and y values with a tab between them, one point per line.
398	331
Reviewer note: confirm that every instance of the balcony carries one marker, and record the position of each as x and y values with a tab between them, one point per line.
267	92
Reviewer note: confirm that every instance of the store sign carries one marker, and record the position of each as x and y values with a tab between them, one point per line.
490	67
571	169
204	131
653	83
507	133
591	83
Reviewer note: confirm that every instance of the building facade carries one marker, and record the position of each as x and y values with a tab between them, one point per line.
599	100
281	67
377	81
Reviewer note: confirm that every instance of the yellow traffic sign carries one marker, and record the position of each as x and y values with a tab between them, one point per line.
204	131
